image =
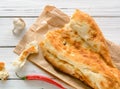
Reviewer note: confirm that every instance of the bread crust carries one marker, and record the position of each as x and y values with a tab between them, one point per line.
88	30
70	51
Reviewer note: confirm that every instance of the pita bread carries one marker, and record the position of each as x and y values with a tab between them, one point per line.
73	54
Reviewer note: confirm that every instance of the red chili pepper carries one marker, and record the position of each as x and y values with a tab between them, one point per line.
39	77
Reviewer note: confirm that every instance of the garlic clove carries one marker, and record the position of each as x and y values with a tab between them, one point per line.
19	25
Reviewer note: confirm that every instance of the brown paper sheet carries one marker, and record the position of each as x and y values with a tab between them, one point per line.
51	19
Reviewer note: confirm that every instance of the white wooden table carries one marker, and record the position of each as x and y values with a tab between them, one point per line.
105	12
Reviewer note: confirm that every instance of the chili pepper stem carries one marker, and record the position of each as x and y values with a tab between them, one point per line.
23	78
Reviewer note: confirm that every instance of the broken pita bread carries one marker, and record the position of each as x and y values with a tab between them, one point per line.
3	72
79	62
30	48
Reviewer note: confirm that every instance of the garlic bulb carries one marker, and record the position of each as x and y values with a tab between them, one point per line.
19	25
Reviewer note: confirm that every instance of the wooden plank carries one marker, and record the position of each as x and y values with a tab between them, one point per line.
33	8
59	3
12	12
15	84
6	35
109	26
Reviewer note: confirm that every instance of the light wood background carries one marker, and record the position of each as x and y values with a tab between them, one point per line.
105	12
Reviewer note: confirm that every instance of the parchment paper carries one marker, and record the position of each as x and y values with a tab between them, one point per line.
51	19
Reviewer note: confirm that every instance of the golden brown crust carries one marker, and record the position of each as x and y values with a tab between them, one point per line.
2	65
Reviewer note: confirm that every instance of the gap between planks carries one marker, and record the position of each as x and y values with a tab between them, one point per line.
37	16
7	46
